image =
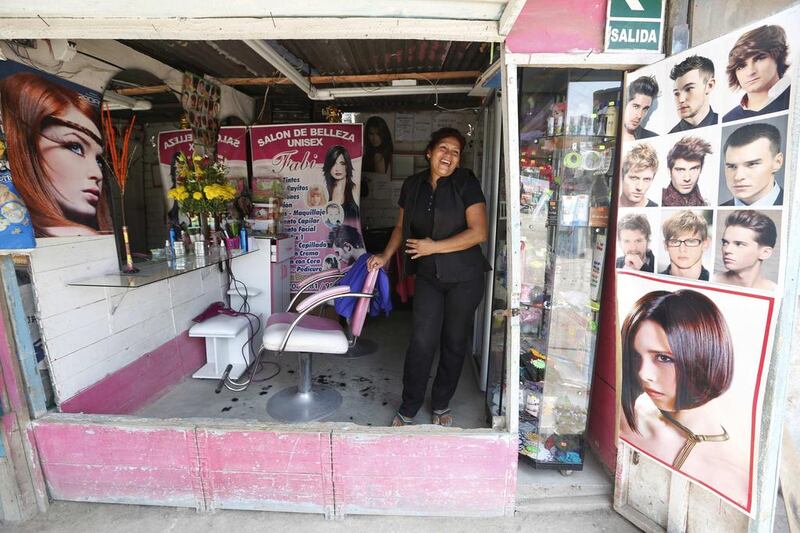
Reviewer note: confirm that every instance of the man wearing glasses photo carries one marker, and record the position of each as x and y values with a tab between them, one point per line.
686	240
685	162
638	171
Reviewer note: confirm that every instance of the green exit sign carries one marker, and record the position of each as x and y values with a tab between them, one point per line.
635	25
639	9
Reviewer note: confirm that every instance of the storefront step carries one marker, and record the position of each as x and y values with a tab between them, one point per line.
549	490
565	504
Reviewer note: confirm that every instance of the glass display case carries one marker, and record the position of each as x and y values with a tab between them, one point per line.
568	125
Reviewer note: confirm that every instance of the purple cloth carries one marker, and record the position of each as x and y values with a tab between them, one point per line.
355	277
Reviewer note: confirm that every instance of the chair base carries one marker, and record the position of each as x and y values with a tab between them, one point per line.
363	347
291	405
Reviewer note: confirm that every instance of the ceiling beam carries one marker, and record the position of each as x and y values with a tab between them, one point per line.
354	78
283	66
99	26
509	16
191	9
367	92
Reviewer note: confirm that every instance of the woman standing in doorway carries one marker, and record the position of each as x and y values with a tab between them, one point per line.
55	152
441	223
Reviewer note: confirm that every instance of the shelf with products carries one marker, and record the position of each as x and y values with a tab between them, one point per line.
568	123
604	138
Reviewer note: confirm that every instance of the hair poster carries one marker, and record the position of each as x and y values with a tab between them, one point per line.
200	99
53	176
232	150
700	248
170	144
319	167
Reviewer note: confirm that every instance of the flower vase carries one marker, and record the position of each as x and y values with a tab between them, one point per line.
129	268
205	228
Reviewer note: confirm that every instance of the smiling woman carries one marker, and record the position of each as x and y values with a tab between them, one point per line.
441	223
55	153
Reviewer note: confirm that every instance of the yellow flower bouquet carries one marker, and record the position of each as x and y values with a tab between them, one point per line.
202	188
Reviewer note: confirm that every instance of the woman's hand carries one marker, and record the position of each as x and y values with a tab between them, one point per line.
375	262
420	247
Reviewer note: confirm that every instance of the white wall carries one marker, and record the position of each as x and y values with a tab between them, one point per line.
91	332
713	18
381	211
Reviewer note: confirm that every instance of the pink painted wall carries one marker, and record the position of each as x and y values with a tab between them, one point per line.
435	475
327	471
267	470
559	26
142	381
119	464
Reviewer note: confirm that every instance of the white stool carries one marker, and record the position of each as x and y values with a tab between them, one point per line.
225	336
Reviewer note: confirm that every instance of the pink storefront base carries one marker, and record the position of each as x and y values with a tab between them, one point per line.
333	469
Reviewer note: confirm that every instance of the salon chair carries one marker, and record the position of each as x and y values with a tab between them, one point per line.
358	347
302	333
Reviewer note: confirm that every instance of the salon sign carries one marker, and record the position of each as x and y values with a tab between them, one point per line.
319	167
634	25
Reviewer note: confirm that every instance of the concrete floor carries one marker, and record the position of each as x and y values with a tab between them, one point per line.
371	388
370	385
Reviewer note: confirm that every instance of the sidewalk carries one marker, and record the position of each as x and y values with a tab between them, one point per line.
68	517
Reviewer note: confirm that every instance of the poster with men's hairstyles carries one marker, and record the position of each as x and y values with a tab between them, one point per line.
701	241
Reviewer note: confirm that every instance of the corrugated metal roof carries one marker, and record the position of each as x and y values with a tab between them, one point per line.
221	59
234	59
337	57
227	59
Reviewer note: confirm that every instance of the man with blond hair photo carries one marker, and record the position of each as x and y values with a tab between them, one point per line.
638	172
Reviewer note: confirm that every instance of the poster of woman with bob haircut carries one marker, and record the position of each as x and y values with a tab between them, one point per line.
692	368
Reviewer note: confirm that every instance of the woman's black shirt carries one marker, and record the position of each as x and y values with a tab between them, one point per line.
428	206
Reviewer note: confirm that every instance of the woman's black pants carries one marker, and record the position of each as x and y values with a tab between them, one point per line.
443	315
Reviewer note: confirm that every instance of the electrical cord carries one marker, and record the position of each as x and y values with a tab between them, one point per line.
254	325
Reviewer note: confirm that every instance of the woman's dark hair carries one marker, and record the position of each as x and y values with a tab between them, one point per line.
384	149
350	206
443	133
700	342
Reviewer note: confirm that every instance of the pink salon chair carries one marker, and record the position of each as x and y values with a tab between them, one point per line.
358	347
308	283
306	334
